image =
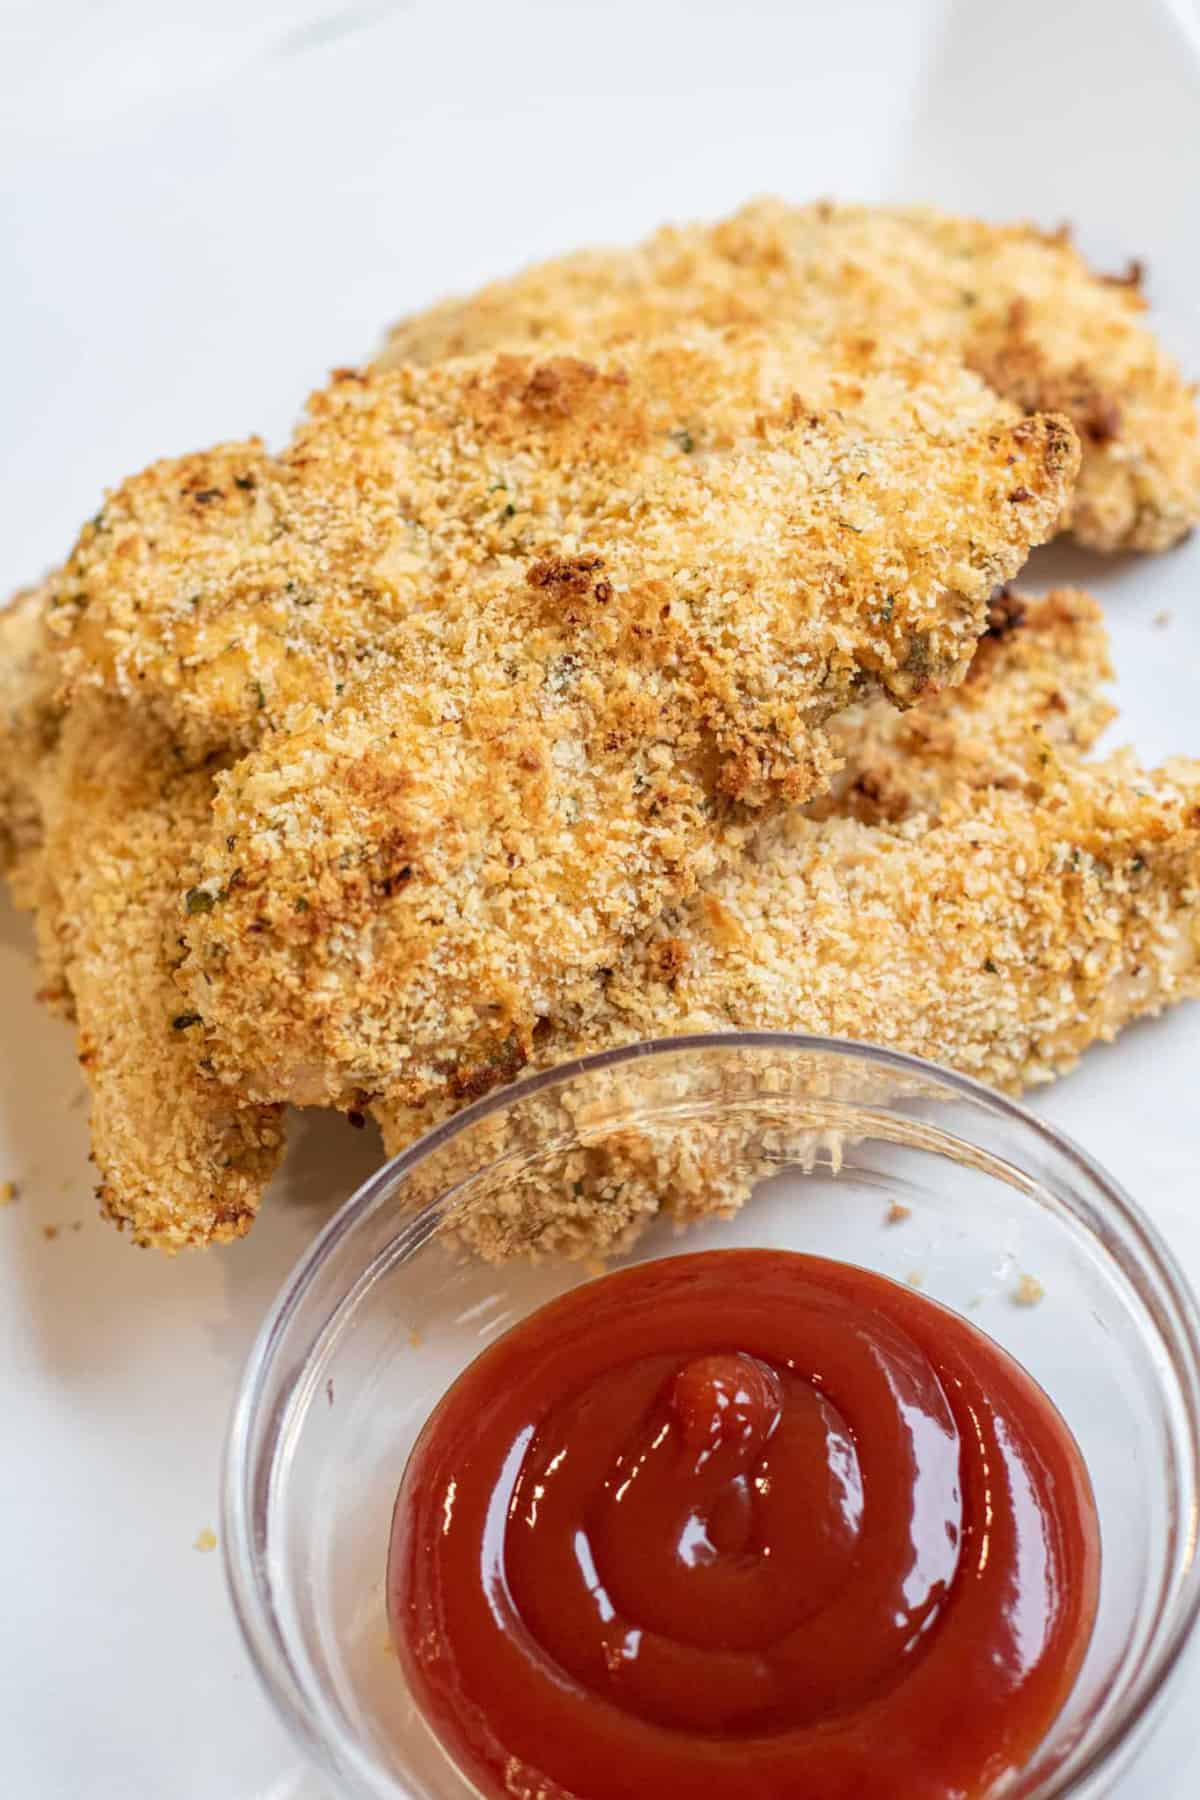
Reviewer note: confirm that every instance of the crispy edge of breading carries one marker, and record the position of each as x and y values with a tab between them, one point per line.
1056	902
29	724
1040	664
1020	304
180	1161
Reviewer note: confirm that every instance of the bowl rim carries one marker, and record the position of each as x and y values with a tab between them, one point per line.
1178	1336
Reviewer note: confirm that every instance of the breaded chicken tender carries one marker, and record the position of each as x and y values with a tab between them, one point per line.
979	895
1019	305
180	1160
232	591
624	598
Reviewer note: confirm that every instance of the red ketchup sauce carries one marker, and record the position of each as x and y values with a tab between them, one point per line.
746	1524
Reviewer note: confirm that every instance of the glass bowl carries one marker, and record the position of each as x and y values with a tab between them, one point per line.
851	1152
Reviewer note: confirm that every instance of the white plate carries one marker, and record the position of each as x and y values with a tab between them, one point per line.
204	208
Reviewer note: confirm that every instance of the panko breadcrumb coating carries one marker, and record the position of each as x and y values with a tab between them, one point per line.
233	592
159	692
627	597
1041	664
1018	304
180	1159
184	1162
982	896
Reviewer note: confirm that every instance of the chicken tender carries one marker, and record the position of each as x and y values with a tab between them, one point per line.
1019	305
979	895
180	1160
234	592
628	596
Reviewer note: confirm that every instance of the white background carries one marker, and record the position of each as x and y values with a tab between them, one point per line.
203	208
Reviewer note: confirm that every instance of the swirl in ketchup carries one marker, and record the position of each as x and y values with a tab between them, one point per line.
741	1525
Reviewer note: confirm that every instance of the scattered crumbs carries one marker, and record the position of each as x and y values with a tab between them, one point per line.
387	1648
329	1390
414	1338
896	1213
595	1266
76	1224
9	1191
49	1232
205	1540
1028	1291
915	1279
1162	619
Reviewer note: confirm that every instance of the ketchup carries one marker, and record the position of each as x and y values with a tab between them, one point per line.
743	1525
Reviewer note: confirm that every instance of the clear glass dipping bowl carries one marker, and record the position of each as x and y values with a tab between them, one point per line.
386	1309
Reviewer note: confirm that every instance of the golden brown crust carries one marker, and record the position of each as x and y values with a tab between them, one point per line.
231	591
1014	905
1041	665
628	595
524	511
1018	304
180	1160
